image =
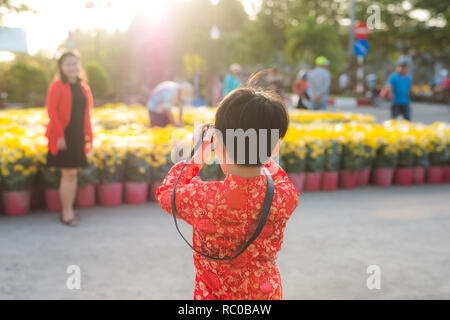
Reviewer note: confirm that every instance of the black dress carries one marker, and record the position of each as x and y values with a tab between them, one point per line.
73	156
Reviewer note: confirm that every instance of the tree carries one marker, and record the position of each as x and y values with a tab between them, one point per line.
26	83
98	80
10	5
311	39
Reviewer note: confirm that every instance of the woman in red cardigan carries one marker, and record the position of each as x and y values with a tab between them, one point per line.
69	132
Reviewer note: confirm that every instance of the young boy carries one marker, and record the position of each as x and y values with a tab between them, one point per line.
224	214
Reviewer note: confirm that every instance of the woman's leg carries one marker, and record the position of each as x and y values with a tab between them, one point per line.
67	192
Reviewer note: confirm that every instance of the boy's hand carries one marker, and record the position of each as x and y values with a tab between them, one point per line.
204	152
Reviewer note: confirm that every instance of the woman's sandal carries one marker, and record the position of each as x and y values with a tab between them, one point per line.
71	223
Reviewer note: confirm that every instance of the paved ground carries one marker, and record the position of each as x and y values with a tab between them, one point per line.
421	112
134	252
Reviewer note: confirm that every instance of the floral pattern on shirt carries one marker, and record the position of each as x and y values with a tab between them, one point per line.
223	215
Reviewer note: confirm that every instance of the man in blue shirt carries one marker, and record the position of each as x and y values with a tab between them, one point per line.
399	86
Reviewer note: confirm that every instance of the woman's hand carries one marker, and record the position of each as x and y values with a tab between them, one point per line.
62	144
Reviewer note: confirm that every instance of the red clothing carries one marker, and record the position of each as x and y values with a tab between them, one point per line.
224	214
59	108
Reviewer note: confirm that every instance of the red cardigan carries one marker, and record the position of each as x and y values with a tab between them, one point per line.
59	108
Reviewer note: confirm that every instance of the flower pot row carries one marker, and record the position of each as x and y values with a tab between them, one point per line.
329	181
18	203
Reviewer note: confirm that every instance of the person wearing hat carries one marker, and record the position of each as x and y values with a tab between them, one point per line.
232	81
319	81
164	97
398	89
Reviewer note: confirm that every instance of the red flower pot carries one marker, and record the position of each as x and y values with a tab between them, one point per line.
37	197
363	177
153	187
418	175
330	180
435	174
110	194
348	179
16	203
383	176
136	192
403	176
298	180
312	181
85	196
447	173
52	200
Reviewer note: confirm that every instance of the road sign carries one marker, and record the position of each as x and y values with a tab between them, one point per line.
361	47
361	31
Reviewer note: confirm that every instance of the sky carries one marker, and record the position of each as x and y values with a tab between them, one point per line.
51	23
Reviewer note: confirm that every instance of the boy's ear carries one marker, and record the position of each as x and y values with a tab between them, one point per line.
276	149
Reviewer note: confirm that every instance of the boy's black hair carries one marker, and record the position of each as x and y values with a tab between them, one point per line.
252	107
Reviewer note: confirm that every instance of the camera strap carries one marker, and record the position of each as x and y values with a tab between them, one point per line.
262	219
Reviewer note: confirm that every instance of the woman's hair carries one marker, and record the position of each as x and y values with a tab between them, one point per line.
81	78
252	107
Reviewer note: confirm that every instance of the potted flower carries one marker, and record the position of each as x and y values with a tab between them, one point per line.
333	149
137	173
314	163
439	152
447	166
351	161
438	158
160	166
51	177
111	162
87	178
368	154
405	160
293	157
421	161
385	161
18	172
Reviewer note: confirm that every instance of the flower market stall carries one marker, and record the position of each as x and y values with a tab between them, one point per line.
321	151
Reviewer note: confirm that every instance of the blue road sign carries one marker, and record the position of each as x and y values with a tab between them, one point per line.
361	47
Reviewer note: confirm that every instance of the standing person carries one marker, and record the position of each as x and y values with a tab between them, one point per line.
398	89
69	102
276	81
300	88
319	81
232	81
224	214
165	96
446	86
371	87
343	82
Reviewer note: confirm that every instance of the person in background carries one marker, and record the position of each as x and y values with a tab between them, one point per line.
446	86
69	132
300	88
165	96
319	81
398	89
275	79
371	87
343	82
232	81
